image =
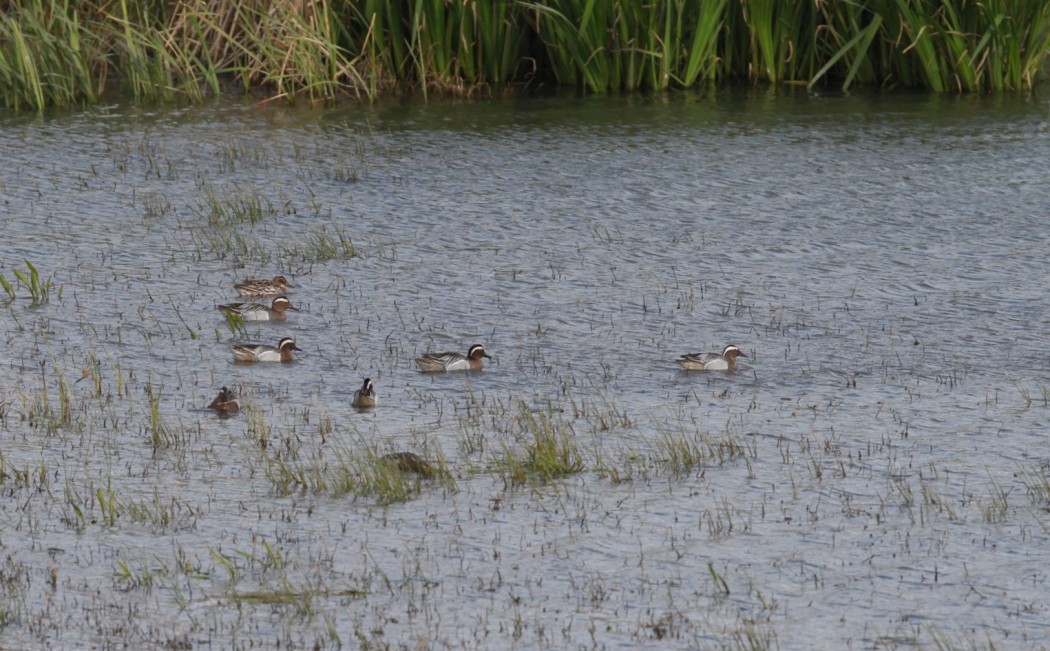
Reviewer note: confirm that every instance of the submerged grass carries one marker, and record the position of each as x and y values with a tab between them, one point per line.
59	53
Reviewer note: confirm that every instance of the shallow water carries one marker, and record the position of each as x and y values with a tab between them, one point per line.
876	475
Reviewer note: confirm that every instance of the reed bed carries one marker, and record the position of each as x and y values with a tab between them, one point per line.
60	53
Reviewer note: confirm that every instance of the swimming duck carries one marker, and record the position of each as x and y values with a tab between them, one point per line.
225	402
711	361
260	287
410	462
258	311
365	397
261	353
438	362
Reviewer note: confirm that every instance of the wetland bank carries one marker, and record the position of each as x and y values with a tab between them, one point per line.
874	476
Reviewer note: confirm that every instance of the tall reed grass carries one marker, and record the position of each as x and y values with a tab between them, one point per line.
63	52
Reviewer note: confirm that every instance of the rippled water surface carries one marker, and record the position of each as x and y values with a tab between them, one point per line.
876	475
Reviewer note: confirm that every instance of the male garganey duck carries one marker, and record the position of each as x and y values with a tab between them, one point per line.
258	311
711	361
260	353
437	362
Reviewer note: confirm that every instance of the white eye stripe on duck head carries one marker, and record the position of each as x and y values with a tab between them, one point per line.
288	342
476	351
732	350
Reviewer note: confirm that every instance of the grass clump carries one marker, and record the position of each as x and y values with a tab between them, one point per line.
682	453
321	247
161	435
234	208
552	452
39	289
229	244
365	472
1037	485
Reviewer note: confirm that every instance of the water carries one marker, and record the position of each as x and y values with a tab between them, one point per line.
875	474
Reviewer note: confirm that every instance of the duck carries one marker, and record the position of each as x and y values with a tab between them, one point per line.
365	397
711	361
410	462
225	402
258	311
260	353
439	362
261	287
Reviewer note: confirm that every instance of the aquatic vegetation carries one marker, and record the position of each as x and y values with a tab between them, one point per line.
550	452
230	244
8	288
996	506
235	322
39	290
161	434
55	53
363	471
683	450
681	454
321	246
614	46
46	56
39	411
234	207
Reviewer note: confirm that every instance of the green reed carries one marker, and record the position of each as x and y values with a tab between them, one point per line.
147	67
600	46
58	52
849	37
39	290
292	49
459	45
382	50
8	288
974	46
48	56
700	57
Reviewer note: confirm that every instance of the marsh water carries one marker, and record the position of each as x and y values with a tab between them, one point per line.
876	474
